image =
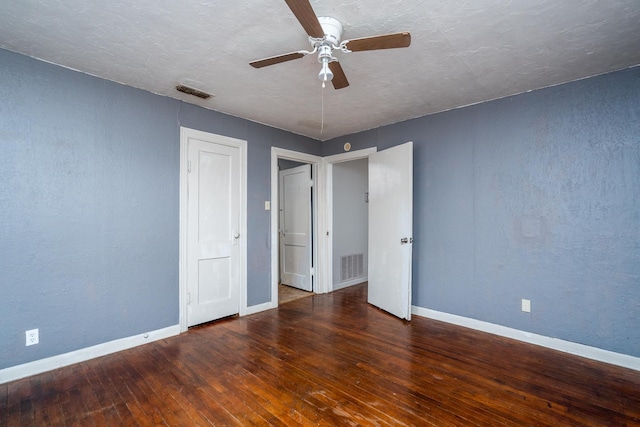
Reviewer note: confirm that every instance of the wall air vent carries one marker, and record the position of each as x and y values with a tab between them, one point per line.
191	91
351	266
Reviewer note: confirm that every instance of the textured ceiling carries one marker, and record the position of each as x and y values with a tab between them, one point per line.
462	52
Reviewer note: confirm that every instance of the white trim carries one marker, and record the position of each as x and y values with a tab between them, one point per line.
258	308
351	282
182	234
351	155
327	195
243	228
582	350
318	178
50	363
185	135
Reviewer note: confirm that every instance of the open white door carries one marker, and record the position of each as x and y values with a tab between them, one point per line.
213	230
390	229
295	227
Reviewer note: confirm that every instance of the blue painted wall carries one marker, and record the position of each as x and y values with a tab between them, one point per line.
89	199
533	196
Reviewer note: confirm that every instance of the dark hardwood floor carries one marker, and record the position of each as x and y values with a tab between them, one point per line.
287	294
329	360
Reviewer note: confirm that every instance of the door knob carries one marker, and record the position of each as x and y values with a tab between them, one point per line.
236	235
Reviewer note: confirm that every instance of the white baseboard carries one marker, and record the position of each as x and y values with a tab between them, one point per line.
356	281
50	363
589	352
260	307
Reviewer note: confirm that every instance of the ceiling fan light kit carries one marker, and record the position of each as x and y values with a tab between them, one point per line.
325	35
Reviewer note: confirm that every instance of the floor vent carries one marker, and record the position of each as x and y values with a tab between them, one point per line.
351	266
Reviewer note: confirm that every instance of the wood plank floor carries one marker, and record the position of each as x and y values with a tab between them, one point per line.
328	360
287	294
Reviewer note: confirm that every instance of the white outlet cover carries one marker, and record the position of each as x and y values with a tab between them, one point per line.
32	337
526	305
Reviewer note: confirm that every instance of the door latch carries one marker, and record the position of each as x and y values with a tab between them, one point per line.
406	240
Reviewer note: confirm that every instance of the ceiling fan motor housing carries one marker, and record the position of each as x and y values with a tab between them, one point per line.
332	32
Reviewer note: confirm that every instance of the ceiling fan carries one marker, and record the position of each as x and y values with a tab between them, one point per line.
325	36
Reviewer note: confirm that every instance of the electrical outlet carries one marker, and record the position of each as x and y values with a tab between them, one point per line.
526	305
32	337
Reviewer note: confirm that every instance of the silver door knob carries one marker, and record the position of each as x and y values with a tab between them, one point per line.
236	235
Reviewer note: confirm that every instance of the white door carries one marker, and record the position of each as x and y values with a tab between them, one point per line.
213	224
295	227
390	229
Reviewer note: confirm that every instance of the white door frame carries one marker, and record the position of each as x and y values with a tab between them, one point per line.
329	161
185	134
318	208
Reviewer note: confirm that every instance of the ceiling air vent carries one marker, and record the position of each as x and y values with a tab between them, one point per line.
191	91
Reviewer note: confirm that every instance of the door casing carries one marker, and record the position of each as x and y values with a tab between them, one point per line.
317	173
185	135
322	212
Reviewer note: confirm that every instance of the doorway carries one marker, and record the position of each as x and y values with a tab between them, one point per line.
394	174
294	221
350	223
390	225
345	252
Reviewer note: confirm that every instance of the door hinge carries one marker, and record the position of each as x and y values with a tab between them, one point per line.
311	183
189	166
